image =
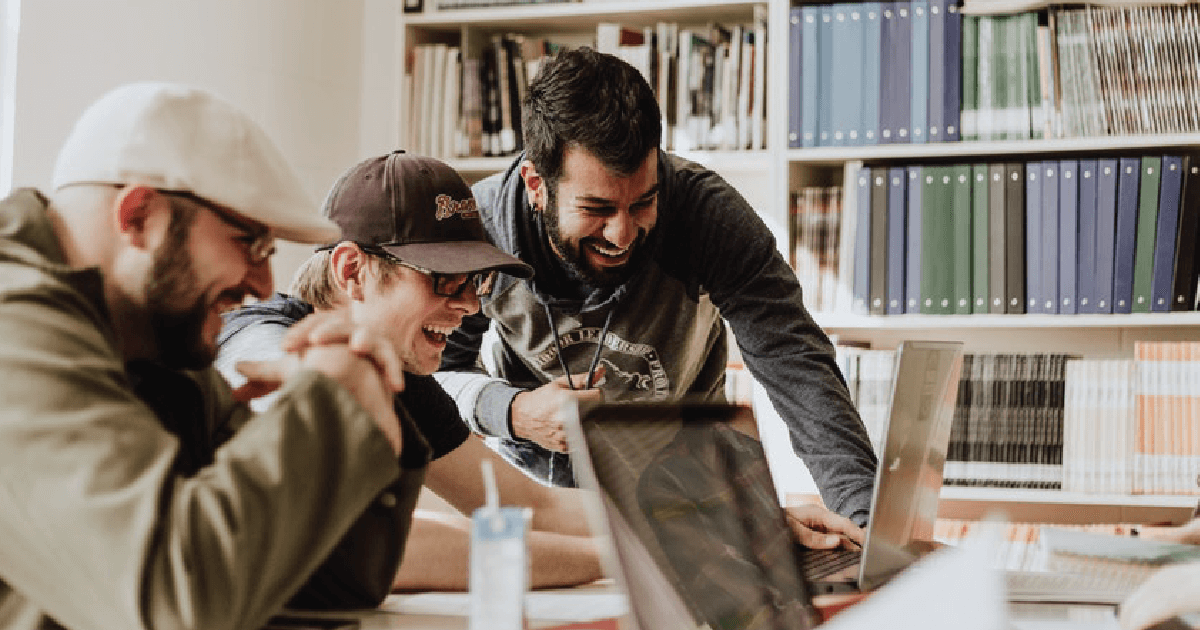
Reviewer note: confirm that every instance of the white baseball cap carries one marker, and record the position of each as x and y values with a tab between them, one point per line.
182	138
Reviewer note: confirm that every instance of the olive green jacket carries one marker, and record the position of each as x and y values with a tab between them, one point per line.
99	529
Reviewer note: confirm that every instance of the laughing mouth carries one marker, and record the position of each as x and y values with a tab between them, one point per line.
609	252
436	333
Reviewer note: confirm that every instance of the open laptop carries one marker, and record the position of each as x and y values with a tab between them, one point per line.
904	503
687	502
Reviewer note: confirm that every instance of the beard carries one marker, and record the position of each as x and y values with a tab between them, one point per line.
572	255
178	333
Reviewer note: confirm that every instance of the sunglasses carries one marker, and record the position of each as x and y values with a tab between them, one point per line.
449	285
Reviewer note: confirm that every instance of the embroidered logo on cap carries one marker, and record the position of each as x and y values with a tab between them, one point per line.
447	207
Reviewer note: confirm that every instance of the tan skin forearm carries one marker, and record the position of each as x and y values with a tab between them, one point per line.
437	556
456	478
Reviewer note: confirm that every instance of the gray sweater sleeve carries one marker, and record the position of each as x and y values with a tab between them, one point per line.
736	259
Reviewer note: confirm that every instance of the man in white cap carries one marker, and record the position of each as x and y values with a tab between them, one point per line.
414	254
135	490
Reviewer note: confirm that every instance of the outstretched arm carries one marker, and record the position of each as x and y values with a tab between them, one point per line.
439	550
456	478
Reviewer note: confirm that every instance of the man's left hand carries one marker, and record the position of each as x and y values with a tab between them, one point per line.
817	528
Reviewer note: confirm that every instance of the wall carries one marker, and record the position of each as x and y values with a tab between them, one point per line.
296	66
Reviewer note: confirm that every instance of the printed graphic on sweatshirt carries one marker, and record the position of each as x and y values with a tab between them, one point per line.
633	371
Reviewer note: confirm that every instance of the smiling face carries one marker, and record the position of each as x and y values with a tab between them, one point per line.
199	271
597	220
400	303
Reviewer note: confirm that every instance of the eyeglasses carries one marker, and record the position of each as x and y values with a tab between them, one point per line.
258	241
449	285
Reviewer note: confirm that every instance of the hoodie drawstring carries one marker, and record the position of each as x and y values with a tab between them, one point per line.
595	358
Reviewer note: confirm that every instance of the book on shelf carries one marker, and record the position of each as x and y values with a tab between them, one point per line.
1033	235
1107	170
862	241
872	15
913	231
896	246
1147	227
1069	237
810	77
979	239
845	99
1014	237
816	226
1186	250
959	235
795	133
1049	259
997	240
1085	278
895	97
918	125
879	242
1166	232
1128	176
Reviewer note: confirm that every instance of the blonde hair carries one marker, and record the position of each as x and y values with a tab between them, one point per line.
313	281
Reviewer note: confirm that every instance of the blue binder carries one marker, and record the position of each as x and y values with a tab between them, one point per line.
795	82
810	75
895	50
1085	276
1126	234
1168	227
862	242
937	70
919	92
824	89
872	32
1033	235
952	101
1068	236
895	237
1051	180
1106	234
847	63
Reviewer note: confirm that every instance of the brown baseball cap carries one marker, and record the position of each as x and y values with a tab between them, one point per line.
419	210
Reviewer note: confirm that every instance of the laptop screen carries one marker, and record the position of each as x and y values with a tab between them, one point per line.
691	482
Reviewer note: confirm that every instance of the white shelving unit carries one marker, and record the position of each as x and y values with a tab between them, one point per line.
766	178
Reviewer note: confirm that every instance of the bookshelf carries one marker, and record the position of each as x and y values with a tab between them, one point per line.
769	176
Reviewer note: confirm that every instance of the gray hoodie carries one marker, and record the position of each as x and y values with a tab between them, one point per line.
709	257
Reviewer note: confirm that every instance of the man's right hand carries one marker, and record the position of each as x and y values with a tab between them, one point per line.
535	413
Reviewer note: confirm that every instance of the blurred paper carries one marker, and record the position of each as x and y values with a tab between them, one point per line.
1112	547
950	589
557	605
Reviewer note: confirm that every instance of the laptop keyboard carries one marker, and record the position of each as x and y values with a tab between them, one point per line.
818	563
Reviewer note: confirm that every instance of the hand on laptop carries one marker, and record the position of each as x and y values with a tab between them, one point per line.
817	528
1168	592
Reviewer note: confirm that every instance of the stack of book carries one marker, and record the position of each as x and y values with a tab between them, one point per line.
710	84
816	212
450	5
920	71
710	81
874	73
1101	426
1008	422
1133	426
1093	235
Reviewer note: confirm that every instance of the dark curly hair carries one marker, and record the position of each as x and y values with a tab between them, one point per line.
594	101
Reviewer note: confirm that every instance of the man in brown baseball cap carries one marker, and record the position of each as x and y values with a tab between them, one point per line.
413	261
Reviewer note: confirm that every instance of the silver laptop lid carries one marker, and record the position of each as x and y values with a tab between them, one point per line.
904	504
691	482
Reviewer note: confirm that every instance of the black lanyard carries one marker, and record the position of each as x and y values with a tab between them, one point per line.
595	358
